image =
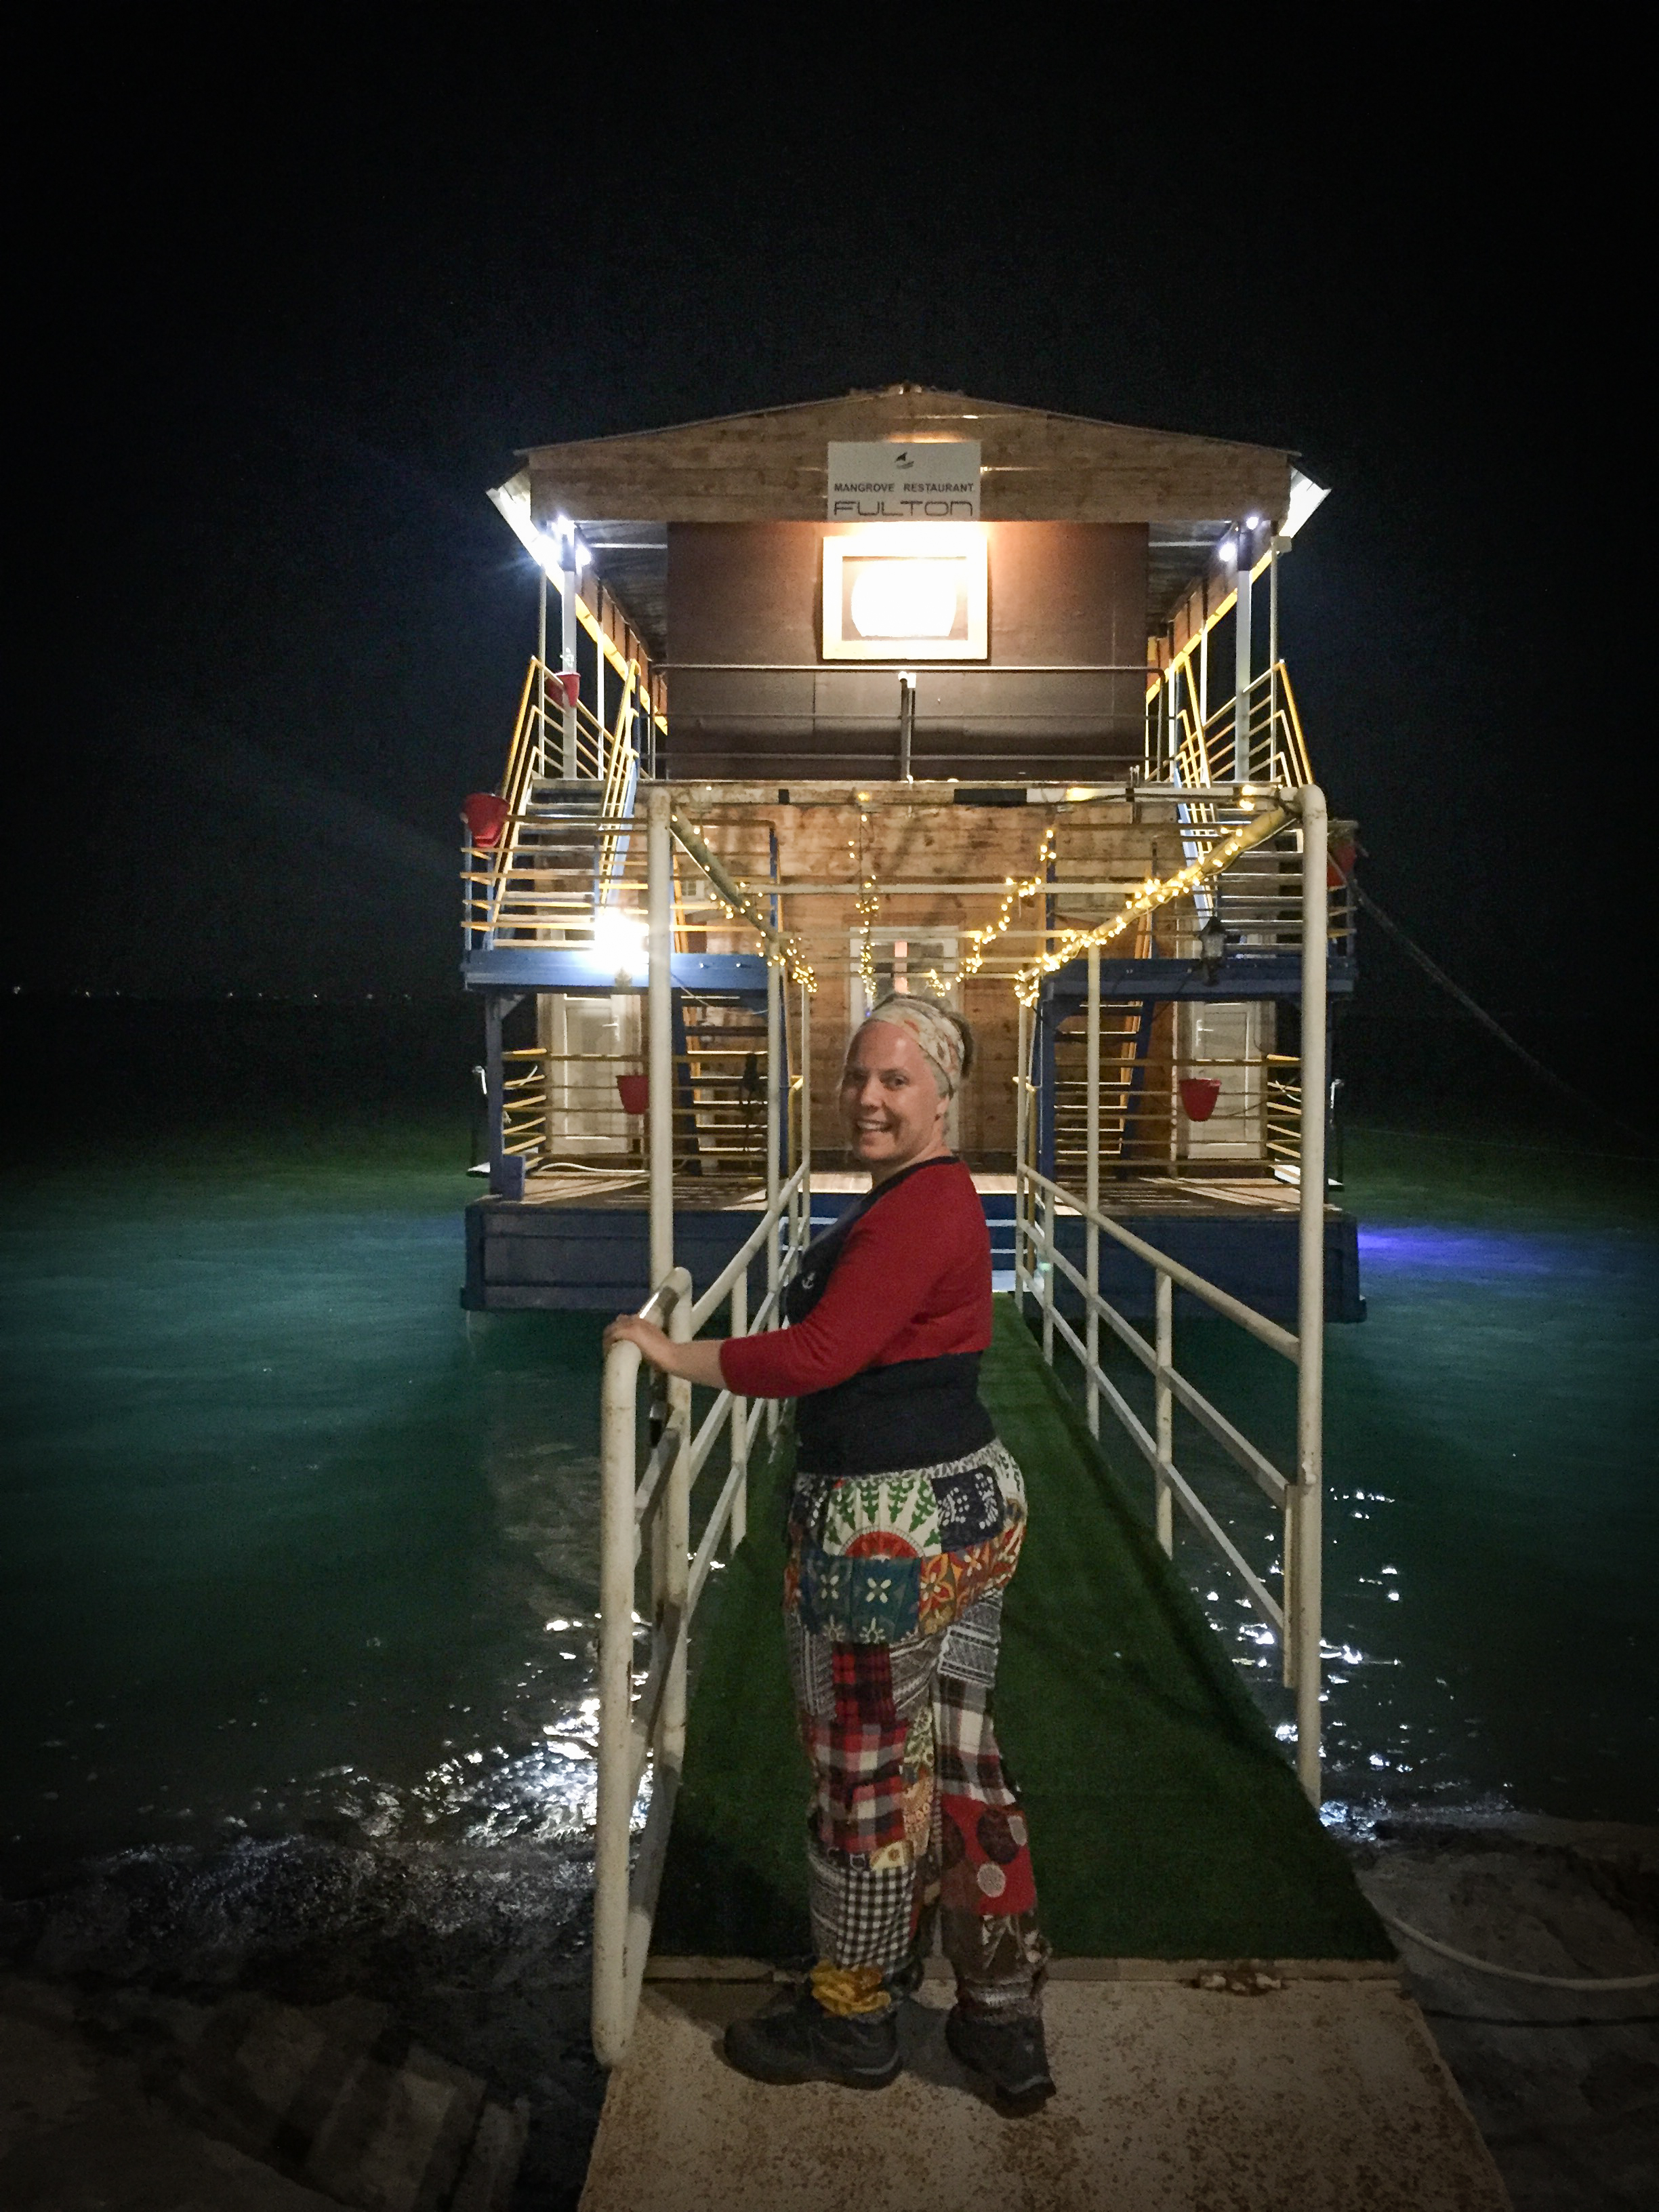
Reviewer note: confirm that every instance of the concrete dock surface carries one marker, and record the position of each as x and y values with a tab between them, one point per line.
1322	2094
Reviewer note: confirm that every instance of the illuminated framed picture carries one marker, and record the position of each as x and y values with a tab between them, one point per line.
907	591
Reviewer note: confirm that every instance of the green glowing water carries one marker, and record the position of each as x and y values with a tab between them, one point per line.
286	1541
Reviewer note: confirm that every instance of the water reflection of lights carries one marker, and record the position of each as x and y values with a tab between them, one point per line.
1367	1739
546	1794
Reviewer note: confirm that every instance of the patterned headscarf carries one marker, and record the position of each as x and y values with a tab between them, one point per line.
934	1028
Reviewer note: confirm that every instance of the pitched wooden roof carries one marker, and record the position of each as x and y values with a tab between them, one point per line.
770	466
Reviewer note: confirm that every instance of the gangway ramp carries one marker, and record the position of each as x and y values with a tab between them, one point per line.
1170	1838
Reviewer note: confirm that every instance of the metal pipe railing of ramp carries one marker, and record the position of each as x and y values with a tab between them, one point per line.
1294	1617
645	1524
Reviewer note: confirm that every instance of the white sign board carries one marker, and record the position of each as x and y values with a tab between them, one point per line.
887	482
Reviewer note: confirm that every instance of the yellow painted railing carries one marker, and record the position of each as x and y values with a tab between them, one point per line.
1277	752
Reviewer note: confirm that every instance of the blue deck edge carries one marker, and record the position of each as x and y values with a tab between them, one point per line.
580	1259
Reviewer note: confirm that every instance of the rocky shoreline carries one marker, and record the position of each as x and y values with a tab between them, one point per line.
442	1992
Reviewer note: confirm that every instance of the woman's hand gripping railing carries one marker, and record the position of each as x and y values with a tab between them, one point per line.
654	1503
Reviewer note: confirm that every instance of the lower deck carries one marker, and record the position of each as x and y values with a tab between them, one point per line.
579	1241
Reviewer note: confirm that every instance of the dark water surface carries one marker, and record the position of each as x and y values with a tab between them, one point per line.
288	1540
1491	1521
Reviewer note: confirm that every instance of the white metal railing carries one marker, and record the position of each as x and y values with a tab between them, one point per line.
645	1504
1295	1615
647	1488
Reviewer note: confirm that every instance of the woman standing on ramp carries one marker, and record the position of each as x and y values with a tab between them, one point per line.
905	1523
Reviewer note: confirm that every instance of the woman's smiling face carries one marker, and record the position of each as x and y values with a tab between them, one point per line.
890	1101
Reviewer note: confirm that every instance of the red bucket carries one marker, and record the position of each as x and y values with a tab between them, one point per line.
634	1091
567	682
1198	1096
485	816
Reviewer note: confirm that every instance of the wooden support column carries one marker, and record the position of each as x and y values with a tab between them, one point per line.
495	1096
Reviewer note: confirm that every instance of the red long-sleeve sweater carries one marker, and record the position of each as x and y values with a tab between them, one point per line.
913	1282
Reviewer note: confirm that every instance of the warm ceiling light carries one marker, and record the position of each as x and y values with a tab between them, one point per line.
906	599
915	590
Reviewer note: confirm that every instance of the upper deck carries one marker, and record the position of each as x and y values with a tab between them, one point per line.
1036	743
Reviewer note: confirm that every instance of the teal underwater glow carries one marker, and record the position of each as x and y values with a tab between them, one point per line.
286	1541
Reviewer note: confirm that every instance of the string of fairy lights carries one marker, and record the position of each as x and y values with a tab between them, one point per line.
1156	892
867	907
785	950
980	940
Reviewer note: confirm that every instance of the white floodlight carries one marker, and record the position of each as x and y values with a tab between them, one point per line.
557	549
618	940
1306	495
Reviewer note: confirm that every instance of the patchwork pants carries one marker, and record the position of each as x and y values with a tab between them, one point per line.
914	1822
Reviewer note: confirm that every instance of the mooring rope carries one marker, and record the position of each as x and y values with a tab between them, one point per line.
1436	973
1514	1973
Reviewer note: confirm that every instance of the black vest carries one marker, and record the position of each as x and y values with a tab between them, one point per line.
914	1413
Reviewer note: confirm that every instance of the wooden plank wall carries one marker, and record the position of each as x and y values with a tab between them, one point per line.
822	845
1038	467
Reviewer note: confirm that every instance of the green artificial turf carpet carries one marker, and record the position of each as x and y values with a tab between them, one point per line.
1165	1822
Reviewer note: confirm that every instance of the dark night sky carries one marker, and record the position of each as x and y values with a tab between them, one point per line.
297	306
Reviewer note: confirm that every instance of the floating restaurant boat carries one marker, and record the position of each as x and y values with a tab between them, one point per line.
909	690
951	731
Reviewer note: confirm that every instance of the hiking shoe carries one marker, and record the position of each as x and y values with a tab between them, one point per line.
1009	2054
799	2041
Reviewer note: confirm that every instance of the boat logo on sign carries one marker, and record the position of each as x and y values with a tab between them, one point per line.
877	480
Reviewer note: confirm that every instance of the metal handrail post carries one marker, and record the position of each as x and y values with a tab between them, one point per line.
738	1523
1302	1547
1022	1057
541	671
675	1521
1164	1404
617	1538
774	1125
806	1236
1242	643
1091	1186
1050	1229
660	914
568	660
